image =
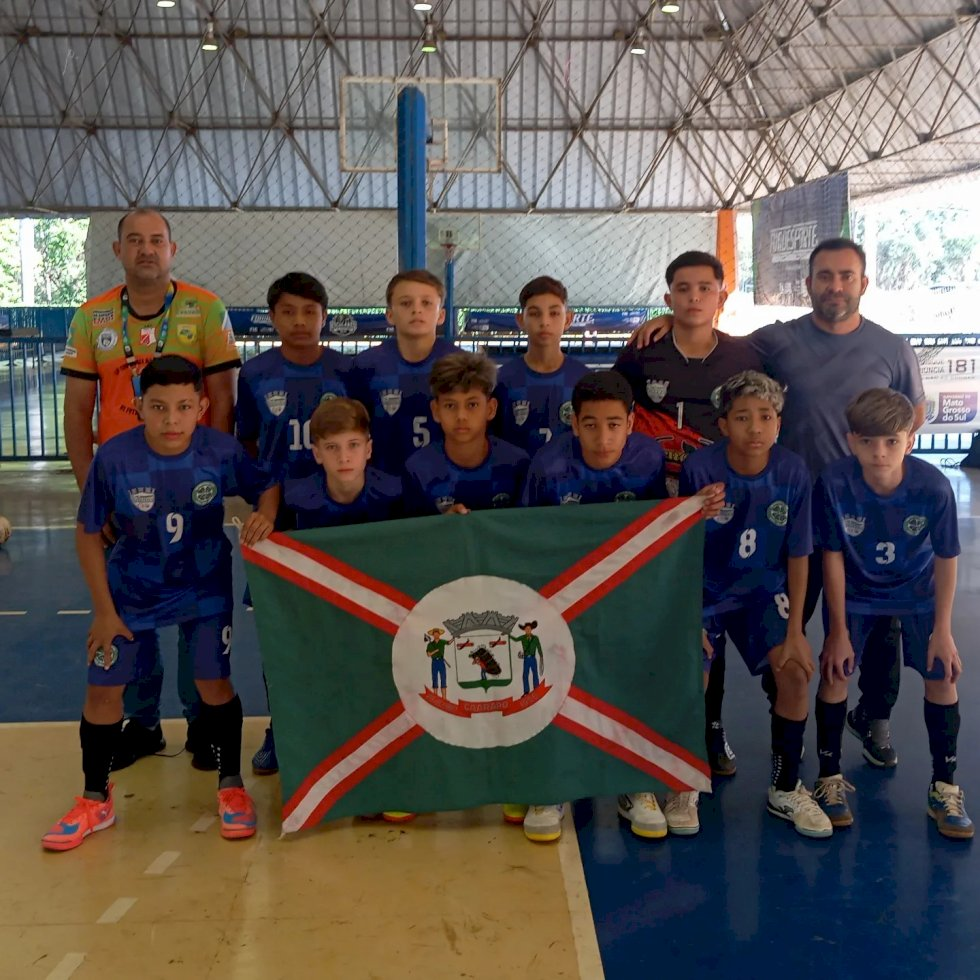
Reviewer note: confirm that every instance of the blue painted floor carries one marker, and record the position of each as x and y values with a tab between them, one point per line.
749	898
746	898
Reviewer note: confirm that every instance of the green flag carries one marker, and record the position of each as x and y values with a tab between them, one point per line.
529	655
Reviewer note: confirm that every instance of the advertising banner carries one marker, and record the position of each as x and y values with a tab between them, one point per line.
786	227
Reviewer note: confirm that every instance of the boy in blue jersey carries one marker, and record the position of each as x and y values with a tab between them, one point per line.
391	380
165	481
887	526
344	489
756	557
601	460
277	392
534	392
279	389
468	470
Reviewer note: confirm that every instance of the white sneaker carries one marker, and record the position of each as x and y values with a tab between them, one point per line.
681	811
644	814
801	810
543	823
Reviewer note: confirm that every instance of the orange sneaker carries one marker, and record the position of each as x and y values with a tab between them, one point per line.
514	812
237	813
84	818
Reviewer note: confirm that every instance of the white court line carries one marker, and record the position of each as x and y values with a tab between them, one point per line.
13	612
68	964
115	911
74	612
577	897
163	862
202	825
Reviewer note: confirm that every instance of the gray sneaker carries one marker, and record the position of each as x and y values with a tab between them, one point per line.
542	824
875	736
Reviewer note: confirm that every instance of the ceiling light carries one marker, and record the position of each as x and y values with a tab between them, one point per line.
422	6
669	7
209	42
166	3
640	41
430	42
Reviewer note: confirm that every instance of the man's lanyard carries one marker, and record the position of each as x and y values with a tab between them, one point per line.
161	337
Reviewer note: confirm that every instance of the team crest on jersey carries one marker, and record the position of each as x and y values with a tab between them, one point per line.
853	526
571	498
275	401
725	514
391	400
444	503
481	678
143	498
914	524
148	336
501	500
778	513
204	493
657	390
107	339
625	495
187	332
565	413
342	325
522	409
328	396
101	316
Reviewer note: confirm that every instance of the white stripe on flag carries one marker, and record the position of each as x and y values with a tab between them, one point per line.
318	574
605	568
627	738
361	756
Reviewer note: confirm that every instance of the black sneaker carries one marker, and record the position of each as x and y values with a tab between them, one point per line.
135	742
876	738
202	753
721	758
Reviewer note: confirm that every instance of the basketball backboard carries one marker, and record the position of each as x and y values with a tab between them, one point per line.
462	135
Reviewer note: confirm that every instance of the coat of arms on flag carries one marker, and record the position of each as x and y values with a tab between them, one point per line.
534	654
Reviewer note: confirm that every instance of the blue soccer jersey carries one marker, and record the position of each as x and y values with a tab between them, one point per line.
533	407
559	474
275	401
889	543
765	521
311	505
172	560
434	483
397	396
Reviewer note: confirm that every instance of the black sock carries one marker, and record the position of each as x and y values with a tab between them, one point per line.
223	728
943	725
830	728
787	746
98	747
714	693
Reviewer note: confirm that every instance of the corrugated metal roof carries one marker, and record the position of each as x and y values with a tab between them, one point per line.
108	104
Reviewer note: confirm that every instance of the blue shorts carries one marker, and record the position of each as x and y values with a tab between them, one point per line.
208	642
754	629
916	630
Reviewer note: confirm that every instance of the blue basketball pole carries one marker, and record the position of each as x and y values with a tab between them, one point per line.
411	179
449	278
